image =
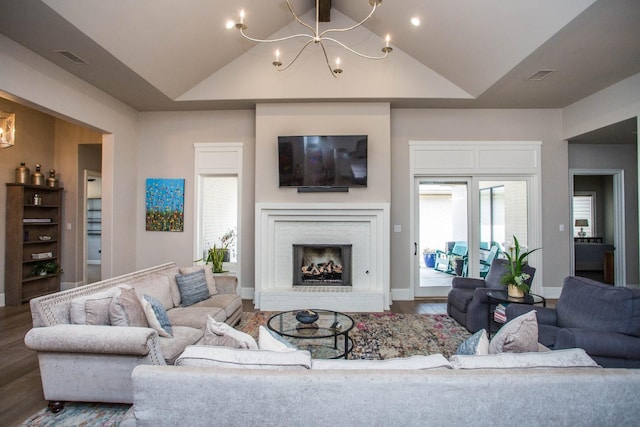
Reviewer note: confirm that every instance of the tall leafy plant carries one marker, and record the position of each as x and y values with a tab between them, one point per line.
517	259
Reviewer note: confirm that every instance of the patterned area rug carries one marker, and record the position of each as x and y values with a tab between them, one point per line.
388	335
375	336
77	414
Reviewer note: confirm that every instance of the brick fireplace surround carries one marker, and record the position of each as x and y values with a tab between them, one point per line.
365	226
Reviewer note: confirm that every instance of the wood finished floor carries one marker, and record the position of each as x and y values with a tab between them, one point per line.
20	386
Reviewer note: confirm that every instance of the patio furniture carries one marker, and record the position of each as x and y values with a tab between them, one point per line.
453	261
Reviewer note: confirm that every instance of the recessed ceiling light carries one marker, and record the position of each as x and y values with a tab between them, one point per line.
415	21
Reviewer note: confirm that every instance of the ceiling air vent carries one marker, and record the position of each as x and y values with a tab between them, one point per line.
541	75
71	56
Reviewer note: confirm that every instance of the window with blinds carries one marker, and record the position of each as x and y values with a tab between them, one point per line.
583	209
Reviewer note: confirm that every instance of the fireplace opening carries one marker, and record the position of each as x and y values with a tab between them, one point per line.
322	265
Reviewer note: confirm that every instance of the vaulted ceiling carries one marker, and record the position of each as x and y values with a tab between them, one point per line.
178	55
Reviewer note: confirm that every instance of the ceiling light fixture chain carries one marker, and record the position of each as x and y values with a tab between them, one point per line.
317	38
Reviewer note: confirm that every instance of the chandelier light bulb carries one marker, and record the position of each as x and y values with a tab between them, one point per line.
337	62
387	39
242	16
277	62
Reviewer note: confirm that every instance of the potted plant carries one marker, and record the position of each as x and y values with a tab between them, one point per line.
218	254
46	267
429	256
515	278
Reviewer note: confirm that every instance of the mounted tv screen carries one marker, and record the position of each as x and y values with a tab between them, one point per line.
322	161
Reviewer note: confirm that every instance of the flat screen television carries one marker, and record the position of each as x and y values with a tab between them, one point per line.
323	161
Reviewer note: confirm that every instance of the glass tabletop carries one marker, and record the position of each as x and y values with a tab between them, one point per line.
503	296
329	324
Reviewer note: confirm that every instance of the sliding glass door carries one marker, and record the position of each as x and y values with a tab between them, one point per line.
465	223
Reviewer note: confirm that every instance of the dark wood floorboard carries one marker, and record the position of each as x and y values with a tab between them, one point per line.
20	387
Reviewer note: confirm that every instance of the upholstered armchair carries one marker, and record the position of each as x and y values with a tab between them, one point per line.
467	301
603	320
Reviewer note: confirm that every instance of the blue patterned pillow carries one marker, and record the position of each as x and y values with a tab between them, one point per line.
157	317
193	287
476	344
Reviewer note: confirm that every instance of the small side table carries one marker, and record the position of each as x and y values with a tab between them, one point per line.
497	297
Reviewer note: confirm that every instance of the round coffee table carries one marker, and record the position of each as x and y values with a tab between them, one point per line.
326	338
496	297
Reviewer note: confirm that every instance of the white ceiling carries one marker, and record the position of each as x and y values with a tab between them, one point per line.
178	55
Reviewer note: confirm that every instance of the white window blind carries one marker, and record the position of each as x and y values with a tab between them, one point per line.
583	209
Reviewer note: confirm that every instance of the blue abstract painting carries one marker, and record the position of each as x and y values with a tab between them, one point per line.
164	204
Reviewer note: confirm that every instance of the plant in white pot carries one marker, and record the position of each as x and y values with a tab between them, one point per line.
515	278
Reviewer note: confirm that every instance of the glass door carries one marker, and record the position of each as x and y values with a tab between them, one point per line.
442	224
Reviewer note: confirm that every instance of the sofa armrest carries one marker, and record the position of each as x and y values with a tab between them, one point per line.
597	343
467	283
544	315
226	283
93	339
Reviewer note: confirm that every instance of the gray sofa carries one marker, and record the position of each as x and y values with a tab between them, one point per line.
93	362
602	319
390	392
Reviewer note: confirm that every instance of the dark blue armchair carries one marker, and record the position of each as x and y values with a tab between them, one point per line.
603	320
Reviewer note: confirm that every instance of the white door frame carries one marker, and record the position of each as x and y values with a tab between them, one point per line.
619	239
480	160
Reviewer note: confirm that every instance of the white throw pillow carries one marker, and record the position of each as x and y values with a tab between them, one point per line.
235	358
269	340
214	329
152	318
98	311
411	363
572	357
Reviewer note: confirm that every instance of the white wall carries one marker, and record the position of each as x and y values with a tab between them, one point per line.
166	150
29	79
478	125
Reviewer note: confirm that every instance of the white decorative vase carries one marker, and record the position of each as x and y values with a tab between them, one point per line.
514	291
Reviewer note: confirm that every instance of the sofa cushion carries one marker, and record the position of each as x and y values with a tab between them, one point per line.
126	310
417	362
221	334
519	335
208	274
92	309
193	287
477	343
173	286
574	357
588	304
229	302
195	317
183	336
273	341
225	357
158	287
156	316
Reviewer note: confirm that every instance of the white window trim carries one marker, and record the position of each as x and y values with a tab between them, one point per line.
222	159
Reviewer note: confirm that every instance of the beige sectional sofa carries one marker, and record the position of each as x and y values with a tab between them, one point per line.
93	362
230	387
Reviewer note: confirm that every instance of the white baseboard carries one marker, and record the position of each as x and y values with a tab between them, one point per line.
401	295
247	293
94	262
2	300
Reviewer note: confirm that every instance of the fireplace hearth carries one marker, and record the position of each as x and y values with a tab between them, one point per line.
321	265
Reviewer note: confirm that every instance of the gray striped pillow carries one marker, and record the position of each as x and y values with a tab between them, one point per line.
193	287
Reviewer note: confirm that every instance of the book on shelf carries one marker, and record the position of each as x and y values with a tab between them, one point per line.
36	220
42	255
500	315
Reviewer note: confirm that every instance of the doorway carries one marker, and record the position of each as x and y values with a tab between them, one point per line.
92	226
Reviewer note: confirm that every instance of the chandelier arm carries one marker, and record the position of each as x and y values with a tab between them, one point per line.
326	58
274	40
296	57
301	22
362	55
341	30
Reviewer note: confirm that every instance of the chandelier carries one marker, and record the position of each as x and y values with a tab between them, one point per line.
316	37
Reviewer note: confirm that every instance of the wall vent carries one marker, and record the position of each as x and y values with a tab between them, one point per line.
71	56
541	74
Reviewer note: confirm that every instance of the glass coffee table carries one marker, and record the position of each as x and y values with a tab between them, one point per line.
325	338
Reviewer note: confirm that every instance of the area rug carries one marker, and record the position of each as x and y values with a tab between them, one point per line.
388	335
76	414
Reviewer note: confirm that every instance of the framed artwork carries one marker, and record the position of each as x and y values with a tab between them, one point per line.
164	204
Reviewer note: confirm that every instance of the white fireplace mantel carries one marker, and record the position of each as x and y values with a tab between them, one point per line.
365	226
